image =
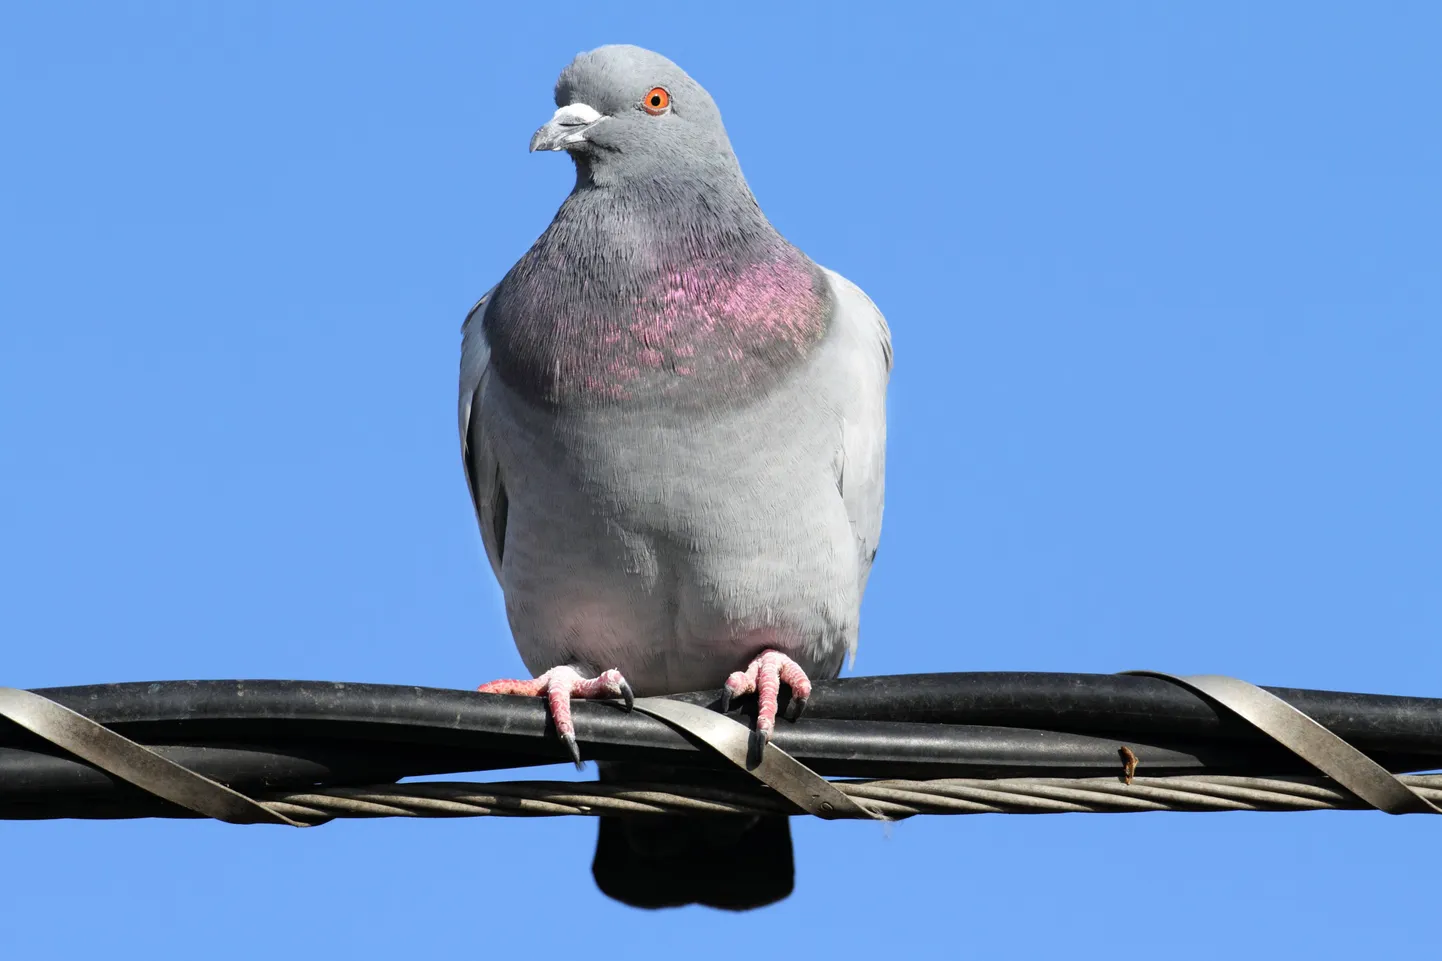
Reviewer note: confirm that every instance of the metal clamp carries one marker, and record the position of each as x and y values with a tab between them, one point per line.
1307	739
136	763
776	769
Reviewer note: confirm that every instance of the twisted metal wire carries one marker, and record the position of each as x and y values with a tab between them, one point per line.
895	799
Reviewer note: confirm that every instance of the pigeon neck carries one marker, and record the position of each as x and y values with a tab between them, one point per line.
709	209
680	294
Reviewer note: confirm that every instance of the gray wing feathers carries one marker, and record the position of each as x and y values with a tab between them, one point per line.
861	461
482	471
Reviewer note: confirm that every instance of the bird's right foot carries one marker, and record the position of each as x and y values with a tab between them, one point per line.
559	685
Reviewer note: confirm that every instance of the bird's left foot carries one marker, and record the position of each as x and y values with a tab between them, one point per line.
764	675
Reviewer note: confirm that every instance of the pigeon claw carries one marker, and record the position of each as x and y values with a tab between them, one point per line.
765	675
756	747
558	686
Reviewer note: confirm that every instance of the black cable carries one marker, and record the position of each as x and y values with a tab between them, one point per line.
275	735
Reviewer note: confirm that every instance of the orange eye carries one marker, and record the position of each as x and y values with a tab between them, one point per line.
657	102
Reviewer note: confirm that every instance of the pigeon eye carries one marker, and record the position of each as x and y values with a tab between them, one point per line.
657	102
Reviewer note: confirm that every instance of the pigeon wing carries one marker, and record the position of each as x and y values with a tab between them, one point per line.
488	494
861	458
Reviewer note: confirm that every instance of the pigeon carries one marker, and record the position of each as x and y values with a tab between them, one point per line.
673	427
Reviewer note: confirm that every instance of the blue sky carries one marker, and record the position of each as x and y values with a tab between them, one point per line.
1165	290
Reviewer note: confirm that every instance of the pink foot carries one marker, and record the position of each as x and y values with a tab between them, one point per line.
559	685
764	676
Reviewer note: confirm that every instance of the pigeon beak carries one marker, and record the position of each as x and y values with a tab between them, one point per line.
567	128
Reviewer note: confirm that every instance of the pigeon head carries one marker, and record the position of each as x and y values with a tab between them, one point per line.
625	113
659	282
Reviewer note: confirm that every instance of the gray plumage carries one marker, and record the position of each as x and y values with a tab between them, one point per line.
672	421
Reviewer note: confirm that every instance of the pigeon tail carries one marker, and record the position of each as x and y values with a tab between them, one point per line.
731	862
